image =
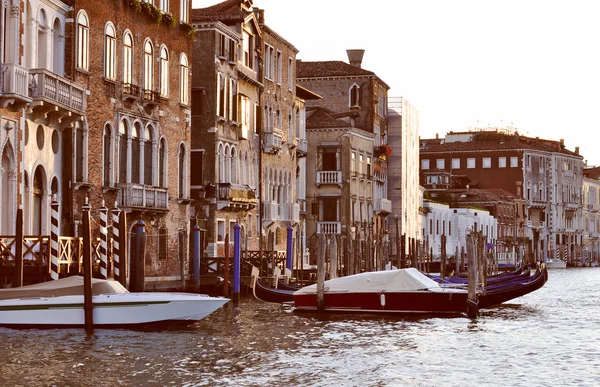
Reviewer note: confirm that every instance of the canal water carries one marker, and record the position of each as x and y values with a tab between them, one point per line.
548	338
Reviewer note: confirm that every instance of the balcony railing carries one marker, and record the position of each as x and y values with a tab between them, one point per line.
150	96
130	91
383	206
329	227
53	89
572	206
135	195
294	212
235	196
302	146
287	212
329	177
272	142
14	82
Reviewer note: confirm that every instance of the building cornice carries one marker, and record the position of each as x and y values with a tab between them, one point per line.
220	27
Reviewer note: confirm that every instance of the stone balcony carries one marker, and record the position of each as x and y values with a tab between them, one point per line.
383	206
329	177
301	147
141	197
14	89
235	197
272	140
56	97
329	228
274	211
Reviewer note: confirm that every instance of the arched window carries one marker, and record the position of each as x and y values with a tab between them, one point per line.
123	146
58	50
184	75
148	66
80	152
148	150
83	41
164	72
227	164
136	156
221	156
162	163
234	166
127	60
107	159
110	42
182	186
38	208
42	37
354	96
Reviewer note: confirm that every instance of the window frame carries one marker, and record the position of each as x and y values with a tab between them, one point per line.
471	163
83	41
110	51
164	71
184	80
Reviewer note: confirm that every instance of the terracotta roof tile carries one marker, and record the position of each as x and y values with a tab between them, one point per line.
328	69
323	118
229	10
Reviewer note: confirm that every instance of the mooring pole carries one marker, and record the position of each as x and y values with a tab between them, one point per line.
321	274
196	255
472	301
17	281
226	267
103	241
236	261
54	238
88	310
288	252
140	257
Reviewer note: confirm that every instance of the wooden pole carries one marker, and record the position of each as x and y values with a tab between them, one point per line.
402	254
88	307
226	267
321	274
17	281
443	258
472	301
398	246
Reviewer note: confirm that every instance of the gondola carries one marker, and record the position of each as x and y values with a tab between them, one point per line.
493	295
269	294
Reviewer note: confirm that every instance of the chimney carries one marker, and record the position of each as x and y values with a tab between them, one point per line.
355	57
562	142
576	150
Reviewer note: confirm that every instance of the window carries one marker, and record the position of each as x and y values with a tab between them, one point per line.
83	41
456	163
231	114
528	162
127	58
501	162
220	95
471	162
290	73
245	108
136	156
269	62
279	65
162	163
148	157
164	5
487	162
440	163
81	137
123	150
220	230
360	164
354	96
368	167
185	11
148	66
514	162
164	72
425	164
110	42
184	85
181	181
248	48
328	159
107	159
353	169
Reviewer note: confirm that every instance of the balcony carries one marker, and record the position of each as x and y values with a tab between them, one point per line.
572	206
56	96
329	177
294	212
14	92
383	206
302	147
138	196
150	97
537	202
235	197
280	212
130	92
329	228
272	142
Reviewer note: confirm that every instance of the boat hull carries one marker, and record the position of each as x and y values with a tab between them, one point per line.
111	310
419	302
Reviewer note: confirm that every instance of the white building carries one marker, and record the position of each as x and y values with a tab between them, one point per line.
403	170
591	219
439	219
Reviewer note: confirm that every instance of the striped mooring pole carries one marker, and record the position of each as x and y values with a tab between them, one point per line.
54	232
116	215
103	241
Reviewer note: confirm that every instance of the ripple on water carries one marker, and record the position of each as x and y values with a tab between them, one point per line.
546	338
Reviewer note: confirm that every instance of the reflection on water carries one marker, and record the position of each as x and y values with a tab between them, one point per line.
547	338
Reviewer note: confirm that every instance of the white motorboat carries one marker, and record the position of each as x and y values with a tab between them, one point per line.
59	303
555	263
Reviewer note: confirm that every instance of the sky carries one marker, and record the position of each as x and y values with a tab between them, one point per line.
533	65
